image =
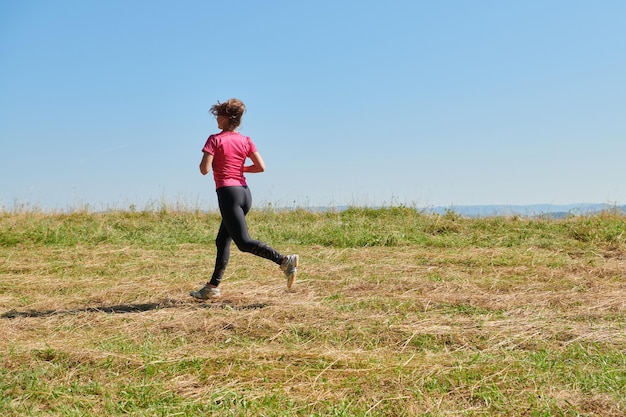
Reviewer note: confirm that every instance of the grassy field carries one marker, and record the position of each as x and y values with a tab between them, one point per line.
395	313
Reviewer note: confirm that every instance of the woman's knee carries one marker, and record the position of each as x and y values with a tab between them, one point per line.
245	245
245	248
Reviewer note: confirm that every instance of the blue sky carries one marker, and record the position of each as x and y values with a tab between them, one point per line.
371	103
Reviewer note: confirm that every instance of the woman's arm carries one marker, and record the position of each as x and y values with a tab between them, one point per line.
205	164
257	164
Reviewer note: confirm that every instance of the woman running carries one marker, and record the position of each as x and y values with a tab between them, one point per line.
226	152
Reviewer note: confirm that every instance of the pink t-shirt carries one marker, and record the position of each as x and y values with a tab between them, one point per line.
229	150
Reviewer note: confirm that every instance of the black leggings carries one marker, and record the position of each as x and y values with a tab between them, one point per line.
234	203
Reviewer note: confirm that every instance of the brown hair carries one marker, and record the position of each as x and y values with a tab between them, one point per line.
232	108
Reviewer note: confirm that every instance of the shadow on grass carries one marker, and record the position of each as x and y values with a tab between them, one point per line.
131	308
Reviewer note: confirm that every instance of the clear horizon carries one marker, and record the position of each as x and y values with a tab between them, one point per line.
480	210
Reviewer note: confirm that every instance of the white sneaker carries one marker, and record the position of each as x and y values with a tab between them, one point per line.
289	266
206	292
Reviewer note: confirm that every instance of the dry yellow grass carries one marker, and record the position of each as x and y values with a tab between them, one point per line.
109	329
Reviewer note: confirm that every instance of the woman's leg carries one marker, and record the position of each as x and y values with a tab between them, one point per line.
235	202
222	242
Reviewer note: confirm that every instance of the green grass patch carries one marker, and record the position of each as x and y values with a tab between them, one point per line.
395	312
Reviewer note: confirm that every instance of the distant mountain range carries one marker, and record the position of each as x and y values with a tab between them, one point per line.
555	211
532	210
